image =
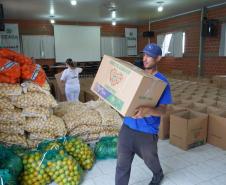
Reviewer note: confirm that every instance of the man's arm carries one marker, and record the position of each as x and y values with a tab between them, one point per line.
145	111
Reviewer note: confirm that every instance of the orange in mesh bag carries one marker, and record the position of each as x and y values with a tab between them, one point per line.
9	71
33	72
17	57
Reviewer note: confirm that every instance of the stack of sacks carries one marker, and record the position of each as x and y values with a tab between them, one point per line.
27	106
37	103
11	120
89	121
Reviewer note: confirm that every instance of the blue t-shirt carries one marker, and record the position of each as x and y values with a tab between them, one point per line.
151	124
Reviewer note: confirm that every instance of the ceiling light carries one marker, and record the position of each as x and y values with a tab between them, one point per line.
113	23
160	8
52	21
113	14
73	2
51	11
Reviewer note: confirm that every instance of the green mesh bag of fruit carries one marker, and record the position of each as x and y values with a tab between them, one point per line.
80	151
10	161
106	147
6	178
62	168
34	169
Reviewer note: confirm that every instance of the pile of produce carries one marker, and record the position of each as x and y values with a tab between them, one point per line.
80	151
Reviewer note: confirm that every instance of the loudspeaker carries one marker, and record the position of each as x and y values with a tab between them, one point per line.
2	27
210	27
148	34
1	12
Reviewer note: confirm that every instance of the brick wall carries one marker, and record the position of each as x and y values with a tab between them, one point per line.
190	24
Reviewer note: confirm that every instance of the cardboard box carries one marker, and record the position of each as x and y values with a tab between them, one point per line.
220	81
59	83
217	130
164	127
215	110
82	96
57	94
209	101
188	129
198	107
89	95
221	104
125	86
60	88
86	83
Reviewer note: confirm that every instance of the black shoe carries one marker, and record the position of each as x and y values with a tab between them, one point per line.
156	180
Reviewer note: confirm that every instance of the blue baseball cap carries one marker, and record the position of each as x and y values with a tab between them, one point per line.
152	50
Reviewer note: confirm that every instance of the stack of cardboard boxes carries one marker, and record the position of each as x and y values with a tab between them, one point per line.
204	118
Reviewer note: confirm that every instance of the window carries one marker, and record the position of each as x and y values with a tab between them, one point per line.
172	44
166	44
222	50
113	46
38	46
183	43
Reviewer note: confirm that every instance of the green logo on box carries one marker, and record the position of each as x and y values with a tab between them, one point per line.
115	102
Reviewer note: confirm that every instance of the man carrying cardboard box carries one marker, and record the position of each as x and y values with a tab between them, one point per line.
139	134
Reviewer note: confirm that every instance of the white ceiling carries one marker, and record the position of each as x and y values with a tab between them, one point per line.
128	11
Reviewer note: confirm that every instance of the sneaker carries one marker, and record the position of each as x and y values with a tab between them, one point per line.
156	180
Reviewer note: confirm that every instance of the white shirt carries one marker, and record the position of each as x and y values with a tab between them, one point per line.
71	76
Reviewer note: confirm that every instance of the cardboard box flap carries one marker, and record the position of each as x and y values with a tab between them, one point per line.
214	110
59	83
187	101
174	108
184	105
199	107
189	115
209	101
222	114
221	104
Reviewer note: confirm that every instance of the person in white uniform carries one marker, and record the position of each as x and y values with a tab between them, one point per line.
70	77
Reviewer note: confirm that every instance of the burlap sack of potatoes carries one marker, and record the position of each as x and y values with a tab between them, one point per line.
81	117
10	139
68	107
10	128
10	89
5	103
54	125
34	99
12	117
40	112
32	87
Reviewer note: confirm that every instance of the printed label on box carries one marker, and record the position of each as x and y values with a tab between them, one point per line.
112	99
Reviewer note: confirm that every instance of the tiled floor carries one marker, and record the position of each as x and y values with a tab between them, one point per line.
204	165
